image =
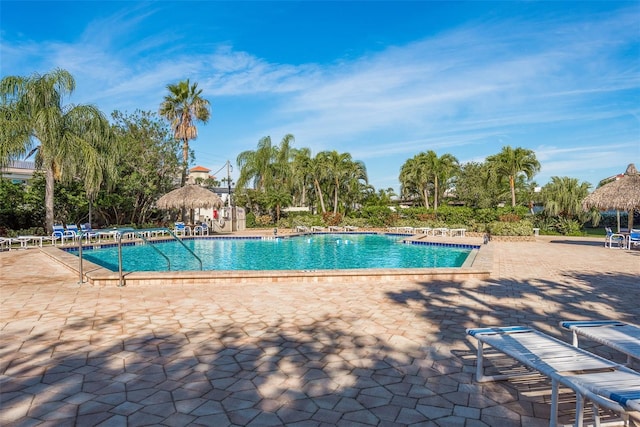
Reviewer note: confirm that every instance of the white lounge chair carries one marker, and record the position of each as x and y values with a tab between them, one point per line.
317	228
201	229
60	233
621	336
351	228
605	383
614	239
301	229
5	243
634	239
335	228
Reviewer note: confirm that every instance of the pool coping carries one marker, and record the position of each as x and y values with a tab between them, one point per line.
477	266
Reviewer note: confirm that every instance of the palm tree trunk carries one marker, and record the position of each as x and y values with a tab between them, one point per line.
512	184
335	199
425	195
48	197
435	193
319	191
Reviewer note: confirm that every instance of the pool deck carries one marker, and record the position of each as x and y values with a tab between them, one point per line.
367	353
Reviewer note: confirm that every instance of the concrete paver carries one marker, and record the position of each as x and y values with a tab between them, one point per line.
382	353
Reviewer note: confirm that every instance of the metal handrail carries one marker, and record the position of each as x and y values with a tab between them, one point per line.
141	235
185	246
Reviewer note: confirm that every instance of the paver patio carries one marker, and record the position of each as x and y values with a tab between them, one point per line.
305	355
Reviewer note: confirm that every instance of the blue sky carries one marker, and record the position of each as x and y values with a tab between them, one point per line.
383	81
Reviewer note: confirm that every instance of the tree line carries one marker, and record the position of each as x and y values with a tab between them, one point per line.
111	172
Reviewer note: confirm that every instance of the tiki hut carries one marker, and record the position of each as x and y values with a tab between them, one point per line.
189	197
622	194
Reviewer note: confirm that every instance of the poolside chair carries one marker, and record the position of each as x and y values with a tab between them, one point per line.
180	229
88	232
60	233
621	336
73	230
5	243
613	238
605	383
202	229
634	238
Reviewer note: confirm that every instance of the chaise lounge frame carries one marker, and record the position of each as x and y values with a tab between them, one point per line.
605	383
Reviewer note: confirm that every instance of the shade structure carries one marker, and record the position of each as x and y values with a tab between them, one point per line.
189	197
622	194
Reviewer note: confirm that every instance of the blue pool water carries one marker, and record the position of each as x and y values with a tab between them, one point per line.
310	252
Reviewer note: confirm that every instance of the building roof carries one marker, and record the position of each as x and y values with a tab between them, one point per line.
199	169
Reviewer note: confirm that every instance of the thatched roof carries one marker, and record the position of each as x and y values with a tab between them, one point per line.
189	197
622	194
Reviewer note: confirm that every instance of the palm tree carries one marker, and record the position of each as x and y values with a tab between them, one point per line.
510	163
182	107
69	141
256	165
438	171
413	178
563	197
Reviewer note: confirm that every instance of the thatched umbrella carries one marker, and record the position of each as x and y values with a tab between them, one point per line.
189	197
622	194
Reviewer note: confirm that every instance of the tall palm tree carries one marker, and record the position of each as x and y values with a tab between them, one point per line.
319	167
70	142
510	163
302	176
255	165
413	178
438	171
184	106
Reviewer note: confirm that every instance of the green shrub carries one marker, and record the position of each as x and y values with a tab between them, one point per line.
521	228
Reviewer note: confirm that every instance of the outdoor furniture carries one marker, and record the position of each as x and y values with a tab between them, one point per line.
634	238
335	228
317	228
180	229
201	229
351	228
613	238
37	240
423	230
621	336
457	232
87	232
5	243
301	229
60	233
442	231
605	383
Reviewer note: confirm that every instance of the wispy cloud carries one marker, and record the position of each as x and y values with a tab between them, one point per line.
468	90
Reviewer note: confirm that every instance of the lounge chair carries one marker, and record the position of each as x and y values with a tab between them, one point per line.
335	228
60	233
301	229
605	383
87	232
180	229
634	238
621	336
202	229
317	228
73	230
613	238
5	243
351	228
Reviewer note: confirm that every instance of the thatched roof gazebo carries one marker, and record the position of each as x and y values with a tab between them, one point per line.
622	194
190	197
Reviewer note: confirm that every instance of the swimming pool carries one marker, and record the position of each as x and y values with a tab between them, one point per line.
306	253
